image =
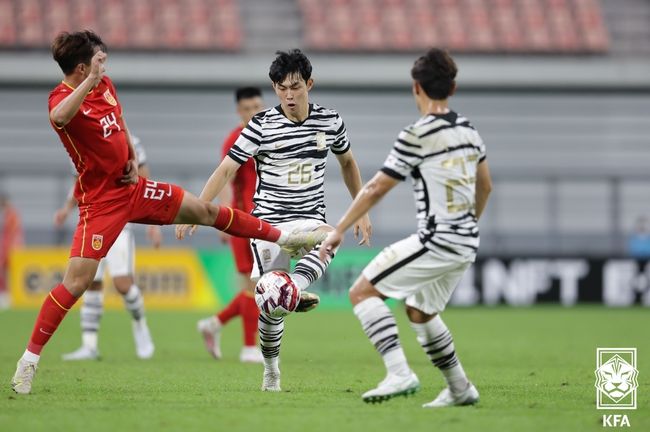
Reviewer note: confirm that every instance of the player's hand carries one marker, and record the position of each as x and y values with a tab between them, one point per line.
224	237
97	67
154	235
331	242
363	229
182	229
60	216
130	172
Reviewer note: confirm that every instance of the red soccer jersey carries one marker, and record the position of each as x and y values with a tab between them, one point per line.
243	185
96	142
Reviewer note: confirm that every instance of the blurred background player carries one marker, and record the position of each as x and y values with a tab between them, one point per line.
121	266
290	144
85	113
11	237
446	158
239	193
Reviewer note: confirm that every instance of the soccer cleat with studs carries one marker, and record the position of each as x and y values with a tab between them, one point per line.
392	386
22	380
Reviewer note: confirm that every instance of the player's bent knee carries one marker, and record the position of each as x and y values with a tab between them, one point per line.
417	316
362	290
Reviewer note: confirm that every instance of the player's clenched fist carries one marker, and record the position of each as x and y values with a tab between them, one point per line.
97	67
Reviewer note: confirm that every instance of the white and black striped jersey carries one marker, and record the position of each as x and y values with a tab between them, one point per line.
441	153
291	159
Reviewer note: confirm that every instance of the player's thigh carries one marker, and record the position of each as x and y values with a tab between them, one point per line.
98	227
121	257
433	298
268	256
156	203
99	274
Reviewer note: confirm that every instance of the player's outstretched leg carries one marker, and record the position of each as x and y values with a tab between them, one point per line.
56	305
437	342
92	310
238	223
271	330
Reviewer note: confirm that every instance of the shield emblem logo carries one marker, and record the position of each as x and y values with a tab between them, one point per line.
321	140
109	98
98	241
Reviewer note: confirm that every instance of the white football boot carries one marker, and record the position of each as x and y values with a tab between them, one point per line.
446	398
393	385
210	329
82	353
21	383
271	381
251	354
305	241
144	347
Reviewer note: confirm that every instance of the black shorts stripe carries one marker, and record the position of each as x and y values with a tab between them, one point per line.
399	265
258	261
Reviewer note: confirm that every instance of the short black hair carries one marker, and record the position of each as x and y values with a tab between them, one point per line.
71	49
288	63
247	93
436	73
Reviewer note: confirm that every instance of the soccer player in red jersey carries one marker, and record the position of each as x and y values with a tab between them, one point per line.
240	195
86	114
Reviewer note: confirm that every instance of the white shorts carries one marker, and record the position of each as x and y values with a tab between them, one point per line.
406	270
269	256
120	259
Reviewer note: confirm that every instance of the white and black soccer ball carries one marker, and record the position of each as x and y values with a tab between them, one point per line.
276	294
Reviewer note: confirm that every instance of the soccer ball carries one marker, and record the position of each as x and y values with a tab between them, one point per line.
276	294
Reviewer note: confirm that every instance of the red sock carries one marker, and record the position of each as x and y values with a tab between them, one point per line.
57	303
250	314
236	222
232	310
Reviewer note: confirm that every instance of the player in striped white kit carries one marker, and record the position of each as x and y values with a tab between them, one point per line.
446	159
121	266
290	144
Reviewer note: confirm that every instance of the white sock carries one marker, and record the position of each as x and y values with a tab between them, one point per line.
379	325
436	340
134	302
31	357
92	310
270	330
310	268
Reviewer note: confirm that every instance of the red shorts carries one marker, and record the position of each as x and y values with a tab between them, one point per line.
148	202
241	251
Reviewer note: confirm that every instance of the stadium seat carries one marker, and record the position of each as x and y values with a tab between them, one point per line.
543	26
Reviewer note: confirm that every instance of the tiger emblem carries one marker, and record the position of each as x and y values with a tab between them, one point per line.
616	378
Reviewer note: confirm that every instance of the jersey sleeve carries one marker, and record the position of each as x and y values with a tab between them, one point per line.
341	142
248	143
229	142
404	157
55	98
482	151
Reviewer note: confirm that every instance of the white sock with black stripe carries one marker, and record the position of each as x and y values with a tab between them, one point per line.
379	325
92	310
436	340
310	268
134	302
270	330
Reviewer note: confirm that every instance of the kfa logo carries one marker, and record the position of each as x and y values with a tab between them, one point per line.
616	383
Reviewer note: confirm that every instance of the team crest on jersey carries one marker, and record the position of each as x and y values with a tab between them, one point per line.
321	140
109	98
98	241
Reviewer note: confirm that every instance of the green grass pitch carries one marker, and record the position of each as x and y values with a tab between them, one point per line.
534	368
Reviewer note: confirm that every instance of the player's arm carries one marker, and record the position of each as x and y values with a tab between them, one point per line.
483	187
352	178
69	106
371	193
70	203
131	168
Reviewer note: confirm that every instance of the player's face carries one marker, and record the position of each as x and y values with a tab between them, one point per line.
294	94
247	108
